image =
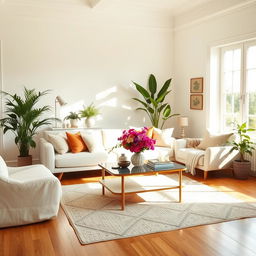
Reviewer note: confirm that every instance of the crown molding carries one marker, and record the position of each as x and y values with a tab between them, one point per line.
188	20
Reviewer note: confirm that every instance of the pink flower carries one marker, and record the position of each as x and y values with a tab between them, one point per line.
136	141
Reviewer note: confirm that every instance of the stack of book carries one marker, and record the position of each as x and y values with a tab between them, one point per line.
157	165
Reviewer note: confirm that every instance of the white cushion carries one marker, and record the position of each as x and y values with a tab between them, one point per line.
110	137
163	137
31	172
93	140
3	168
59	143
214	140
181	155
80	159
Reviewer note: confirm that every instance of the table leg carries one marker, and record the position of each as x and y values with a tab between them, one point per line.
180	186
123	193
103	178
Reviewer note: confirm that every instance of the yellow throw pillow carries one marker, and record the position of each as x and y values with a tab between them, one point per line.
163	137
150	132
214	140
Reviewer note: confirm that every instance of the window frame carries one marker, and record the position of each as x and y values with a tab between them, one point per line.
244	95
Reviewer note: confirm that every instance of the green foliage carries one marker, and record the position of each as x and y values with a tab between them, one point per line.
24	119
72	116
153	103
244	145
89	111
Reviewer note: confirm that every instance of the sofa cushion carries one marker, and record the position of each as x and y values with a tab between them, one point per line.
163	137
80	159
181	155
93	140
76	142
214	140
3	168
110	137
59	143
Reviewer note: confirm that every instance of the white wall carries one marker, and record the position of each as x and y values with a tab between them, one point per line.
192	44
84	62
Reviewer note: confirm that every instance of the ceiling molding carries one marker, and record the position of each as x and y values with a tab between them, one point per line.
191	19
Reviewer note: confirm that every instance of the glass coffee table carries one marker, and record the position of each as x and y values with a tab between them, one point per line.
125	173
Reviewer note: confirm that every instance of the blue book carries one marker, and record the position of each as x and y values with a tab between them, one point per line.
161	167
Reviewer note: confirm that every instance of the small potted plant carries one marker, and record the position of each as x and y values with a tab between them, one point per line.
244	145
89	113
73	118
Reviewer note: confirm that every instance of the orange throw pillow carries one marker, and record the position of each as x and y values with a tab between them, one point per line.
76	143
150	132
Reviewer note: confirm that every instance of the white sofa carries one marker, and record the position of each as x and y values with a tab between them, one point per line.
28	194
214	158
70	162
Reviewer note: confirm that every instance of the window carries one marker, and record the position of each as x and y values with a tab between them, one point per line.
238	85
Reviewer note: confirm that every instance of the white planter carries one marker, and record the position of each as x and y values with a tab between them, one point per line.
138	159
90	122
74	123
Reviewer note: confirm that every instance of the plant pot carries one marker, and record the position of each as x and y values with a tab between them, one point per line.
90	122
24	160
73	123
241	169
138	159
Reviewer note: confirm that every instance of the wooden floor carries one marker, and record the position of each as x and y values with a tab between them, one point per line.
56	237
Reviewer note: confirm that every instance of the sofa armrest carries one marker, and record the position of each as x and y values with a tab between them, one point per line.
47	154
219	158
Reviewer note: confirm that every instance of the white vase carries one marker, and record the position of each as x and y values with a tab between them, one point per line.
138	159
90	122
73	123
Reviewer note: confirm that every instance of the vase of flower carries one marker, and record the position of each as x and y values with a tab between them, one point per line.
138	159
136	141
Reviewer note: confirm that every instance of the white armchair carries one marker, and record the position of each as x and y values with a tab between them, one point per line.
213	158
27	194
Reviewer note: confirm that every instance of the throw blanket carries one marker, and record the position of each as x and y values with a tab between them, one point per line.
192	160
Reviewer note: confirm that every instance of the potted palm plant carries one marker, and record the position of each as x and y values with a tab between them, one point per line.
89	113
153	103
73	118
24	119
244	145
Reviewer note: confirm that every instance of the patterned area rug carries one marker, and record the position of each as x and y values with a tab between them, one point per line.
97	218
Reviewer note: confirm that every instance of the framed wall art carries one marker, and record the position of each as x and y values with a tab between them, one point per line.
196	101
197	85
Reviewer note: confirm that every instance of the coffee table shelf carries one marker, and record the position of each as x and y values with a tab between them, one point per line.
131	181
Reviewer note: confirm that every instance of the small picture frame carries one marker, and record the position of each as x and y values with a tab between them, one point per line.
196	101
197	85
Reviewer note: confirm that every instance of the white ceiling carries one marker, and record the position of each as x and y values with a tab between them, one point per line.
171	7
165	12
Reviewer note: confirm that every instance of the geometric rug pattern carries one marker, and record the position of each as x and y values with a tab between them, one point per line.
97	218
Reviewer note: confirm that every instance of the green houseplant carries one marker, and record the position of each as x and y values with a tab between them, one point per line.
89	112
73	117
154	103
24	119
243	145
